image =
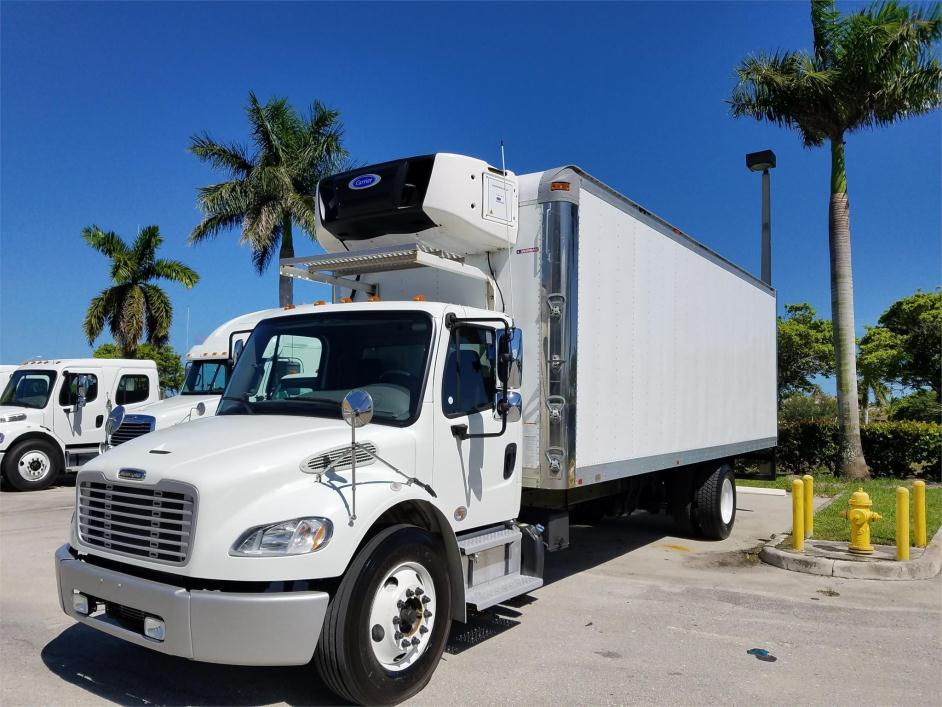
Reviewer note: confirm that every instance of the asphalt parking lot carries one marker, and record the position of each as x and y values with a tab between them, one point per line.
629	614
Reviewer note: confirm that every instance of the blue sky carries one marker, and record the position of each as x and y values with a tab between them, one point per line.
99	100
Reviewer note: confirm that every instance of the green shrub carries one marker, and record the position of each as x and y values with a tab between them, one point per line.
892	448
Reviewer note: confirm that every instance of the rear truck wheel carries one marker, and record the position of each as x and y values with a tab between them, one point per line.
386	626
32	464
715	503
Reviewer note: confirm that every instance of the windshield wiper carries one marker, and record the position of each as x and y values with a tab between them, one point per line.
245	403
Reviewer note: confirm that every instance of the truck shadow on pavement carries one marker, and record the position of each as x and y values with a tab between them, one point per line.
127	674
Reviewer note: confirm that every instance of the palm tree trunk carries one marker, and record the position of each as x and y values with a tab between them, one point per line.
286	284
851	462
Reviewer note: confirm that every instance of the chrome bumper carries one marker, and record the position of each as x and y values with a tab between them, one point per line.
279	628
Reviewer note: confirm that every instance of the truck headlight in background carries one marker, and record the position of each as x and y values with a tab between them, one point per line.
13	417
289	537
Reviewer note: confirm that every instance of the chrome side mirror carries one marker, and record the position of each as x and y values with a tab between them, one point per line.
510	357
115	418
510	408
357	408
81	390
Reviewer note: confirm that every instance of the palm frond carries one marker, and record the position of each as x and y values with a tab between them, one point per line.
98	312
144	250
127	319
827	28
158	314
211	226
105	242
175	271
233	157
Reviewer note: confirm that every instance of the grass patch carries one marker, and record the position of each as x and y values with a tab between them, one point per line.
828	524
825	483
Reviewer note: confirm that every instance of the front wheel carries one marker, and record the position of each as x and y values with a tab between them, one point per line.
31	465
715	502
387	625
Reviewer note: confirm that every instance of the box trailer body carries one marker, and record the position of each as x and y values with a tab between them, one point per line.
520	347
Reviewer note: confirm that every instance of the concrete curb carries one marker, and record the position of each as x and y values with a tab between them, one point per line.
760	491
926	567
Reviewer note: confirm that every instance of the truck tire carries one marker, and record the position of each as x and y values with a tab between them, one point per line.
398	585
715	503
32	464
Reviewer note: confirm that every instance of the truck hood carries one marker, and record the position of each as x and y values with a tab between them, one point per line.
217	450
35	420
180	408
245	471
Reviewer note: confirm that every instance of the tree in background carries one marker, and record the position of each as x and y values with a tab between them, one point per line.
805	350
170	371
271	189
868	69
905	349
134	307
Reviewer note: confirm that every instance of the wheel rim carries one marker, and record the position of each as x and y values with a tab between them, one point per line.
726	501
402	616
34	465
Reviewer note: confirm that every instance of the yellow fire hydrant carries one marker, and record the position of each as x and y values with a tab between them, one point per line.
860	517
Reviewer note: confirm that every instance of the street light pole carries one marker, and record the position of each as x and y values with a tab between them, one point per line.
763	162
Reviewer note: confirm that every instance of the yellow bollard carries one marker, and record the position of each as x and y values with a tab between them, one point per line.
808	481
902	523
798	515
919	513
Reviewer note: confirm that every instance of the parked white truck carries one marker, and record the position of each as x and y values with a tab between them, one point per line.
209	365
521	346
53	413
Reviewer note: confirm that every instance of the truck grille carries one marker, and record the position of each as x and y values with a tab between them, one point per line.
135	520
132	427
337	459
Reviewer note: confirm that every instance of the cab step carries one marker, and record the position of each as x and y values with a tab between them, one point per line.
498	590
500	563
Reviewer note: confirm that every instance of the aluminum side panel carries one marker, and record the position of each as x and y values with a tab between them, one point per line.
677	354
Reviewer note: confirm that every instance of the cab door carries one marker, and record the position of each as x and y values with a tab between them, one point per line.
77	424
477	476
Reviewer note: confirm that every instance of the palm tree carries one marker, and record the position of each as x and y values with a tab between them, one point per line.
133	306
869	69
273	188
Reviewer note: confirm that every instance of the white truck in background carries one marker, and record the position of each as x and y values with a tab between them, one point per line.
522	347
53	413
208	366
5	372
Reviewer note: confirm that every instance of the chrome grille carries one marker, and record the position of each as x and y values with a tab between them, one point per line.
338	459
140	521
133	426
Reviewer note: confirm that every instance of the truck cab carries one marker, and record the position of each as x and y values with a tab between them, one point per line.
53	413
208	367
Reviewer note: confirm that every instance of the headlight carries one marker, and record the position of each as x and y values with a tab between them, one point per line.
13	417
290	537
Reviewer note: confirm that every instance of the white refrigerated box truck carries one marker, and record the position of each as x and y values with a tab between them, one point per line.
521	347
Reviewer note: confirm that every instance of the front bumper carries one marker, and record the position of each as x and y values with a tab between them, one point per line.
279	628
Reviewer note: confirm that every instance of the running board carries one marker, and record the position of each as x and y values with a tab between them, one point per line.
493	564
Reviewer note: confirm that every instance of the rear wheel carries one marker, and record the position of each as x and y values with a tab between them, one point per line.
387	625
32	464
715	503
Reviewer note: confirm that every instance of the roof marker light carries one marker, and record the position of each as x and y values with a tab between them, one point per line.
346	300
373	298
559	186
418	298
320	302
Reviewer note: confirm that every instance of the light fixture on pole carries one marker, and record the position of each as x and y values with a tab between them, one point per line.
763	162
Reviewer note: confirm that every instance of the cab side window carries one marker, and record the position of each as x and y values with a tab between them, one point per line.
132	389
470	381
68	394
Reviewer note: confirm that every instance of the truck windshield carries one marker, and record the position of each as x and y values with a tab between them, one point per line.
206	378
306	364
28	388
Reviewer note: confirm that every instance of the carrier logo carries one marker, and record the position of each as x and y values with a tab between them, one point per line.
364	181
133	474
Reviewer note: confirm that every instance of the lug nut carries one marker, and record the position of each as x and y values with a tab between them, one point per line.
415	641
427	614
397	635
396	620
405	643
400	604
426	599
423	629
419	592
410	593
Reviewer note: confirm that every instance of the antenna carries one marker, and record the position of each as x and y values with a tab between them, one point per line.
503	166
187	349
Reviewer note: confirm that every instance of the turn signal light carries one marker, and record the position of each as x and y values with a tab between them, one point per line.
418	298
559	186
